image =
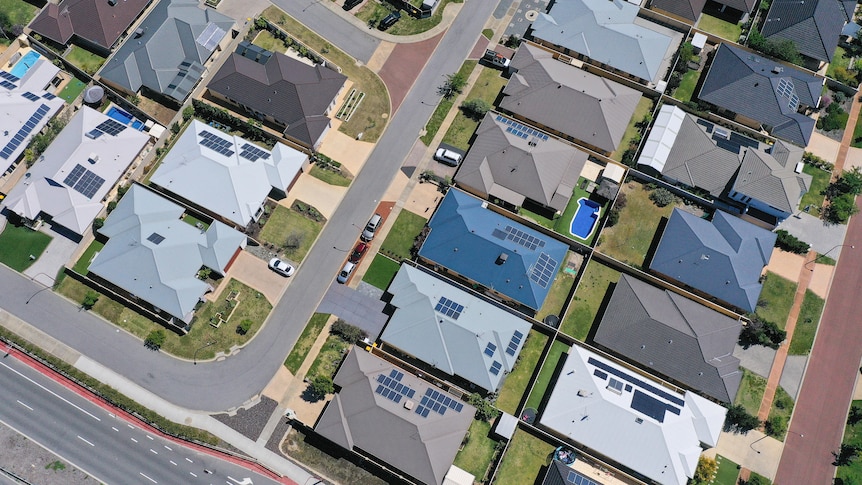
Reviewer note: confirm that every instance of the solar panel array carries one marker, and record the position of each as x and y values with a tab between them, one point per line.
6	84
216	143
30	96
786	89
543	271
251	152
490	349
24	131
9	77
576	478
522	131
449	308
514	343
495	368
155	238
652	407
48	96
634	380
84	181
391	387
111	127
438	402
521	238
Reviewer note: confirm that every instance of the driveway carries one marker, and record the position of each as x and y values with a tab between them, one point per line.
821	236
58	252
255	273
361	308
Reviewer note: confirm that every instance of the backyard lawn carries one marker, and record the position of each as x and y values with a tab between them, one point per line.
852	436
543	381
687	85
400	239
443	107
475	457
381	271
84	261
291	232
563	224
558	294
72	90
588	298
486	87
819	182
18	12
721	28
806	325
750	392
18	243
306	340
776	299
779	415
523	460
643	108
516	383
85	60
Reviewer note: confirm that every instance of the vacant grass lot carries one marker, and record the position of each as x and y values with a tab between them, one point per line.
643	108
400	238
371	117
306	340
381	271
285	224
558	294
588	298
18	243
819	182
84	261
852	436
475	457
543	381
486	88
516	383
443	107
721	28
750	392
85	60
806	325
776	299
523	460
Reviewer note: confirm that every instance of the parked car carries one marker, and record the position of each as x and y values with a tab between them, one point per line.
345	273
371	228
358	252
281	267
389	20
496	59
448	157
349	4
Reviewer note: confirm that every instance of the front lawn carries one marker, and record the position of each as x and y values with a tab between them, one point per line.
84	261
584	307
776	299
476	456
399	240
518	380
269	42
20	246
381	271
643	108
373	11
779	415
487	87
558	294
523	460
306	340
329	357
727	473
72	90
85	60
721	28
543	381
806	325
819	181
852	473
330	177
291	232
687	85
443	107
750	392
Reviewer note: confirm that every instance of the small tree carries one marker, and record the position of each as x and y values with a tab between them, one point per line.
846	455
244	326
98	223
775	426
855	416
188	112
454	85
349	333
112	205
476	108
175	128
155	339
613	217
320	386
706	469
662	197
840	209
738	421
90	299
790	243
761	332
485	410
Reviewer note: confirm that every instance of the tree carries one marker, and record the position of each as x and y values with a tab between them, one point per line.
784	49
320	386
790	243
761	332
662	197
840	209
738	421
349	333
613	217
846	455
775	426
175	128
706	469
485	410
155	339
454	85
188	112
855	416
98	223
475	109
90	299
244	326
850	182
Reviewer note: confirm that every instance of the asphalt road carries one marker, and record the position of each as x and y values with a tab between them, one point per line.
100	443
218	386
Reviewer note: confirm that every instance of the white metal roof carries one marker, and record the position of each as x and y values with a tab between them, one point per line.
662	137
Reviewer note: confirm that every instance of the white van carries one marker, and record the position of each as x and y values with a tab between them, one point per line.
371	227
448	157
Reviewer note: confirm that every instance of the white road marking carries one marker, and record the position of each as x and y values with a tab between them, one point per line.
245	481
189	460
149	437
154	451
148	478
115	429
192	474
168	448
50	392
85	441
112	415
133	440
172	463
26	406
130	426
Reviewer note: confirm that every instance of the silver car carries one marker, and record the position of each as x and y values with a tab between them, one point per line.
345	272
281	267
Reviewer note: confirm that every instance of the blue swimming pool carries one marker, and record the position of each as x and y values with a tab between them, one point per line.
125	118
585	218
22	66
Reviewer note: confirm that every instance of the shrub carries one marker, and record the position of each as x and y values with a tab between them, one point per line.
835	119
775	426
791	243
188	112
662	197
175	128
622	200
320	386
784	49
155	339
98	223
112	205
761	332
738	421
244	326
349	333
840	209
706	468
613	217
485	410
90	299
475	109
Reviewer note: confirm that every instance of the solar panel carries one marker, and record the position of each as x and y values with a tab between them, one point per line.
544	269
111	127
253	153
155	238
210	37
495	368
601	375
648	405
634	380
574	477
489	349
6	84
48	96
74	175
94	133
521	238
9	76
30	96
449	308
793	104
89	184
392	389
511	349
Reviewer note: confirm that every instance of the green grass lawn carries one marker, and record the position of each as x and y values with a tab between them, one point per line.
523	460
782	408
85	60
727	473
839	59
18	12
381	271
487	87
488	33
852	436
776	299
72	90
643	108
269	42
687	85
18	243
194	221
544	379
518	380
588	298
721	28
537	218
409	25
371	116
806	325
306	340
819	182
443	107
557	295
758	478
477	454
563	224
400	238
84	261
285	224
329	177
630	239
329	357
750	392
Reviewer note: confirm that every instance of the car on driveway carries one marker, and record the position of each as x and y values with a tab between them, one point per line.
447	157
281	267
346	272
358	252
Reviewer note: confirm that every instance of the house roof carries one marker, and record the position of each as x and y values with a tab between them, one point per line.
224	173
453	330
548	91
723	257
154	255
359	416
687	9
493	250
25	116
178	38
99	21
77	171
814	26
609	32
631	419
505	164
673	336
772	178
293	93
561	474
761	89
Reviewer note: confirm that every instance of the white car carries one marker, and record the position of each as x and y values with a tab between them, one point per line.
447	157
281	267
345	272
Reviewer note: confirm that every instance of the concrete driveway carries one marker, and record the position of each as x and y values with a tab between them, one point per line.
822	237
255	273
355	307
52	259
823	146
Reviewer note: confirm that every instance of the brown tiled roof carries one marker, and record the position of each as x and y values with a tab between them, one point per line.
94	20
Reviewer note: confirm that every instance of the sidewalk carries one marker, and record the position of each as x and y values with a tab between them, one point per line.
847	139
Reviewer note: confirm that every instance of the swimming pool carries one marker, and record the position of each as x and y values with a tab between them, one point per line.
585	218
124	118
24	65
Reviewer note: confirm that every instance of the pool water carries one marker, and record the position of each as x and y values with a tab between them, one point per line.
585	218
125	118
22	66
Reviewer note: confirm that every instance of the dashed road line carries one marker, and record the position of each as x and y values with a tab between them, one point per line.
85	441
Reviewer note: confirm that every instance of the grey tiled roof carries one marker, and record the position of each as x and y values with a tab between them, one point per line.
674	336
750	85
813	25
550	92
502	164
764	178
688	9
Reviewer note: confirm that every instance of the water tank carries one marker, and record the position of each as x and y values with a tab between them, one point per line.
94	95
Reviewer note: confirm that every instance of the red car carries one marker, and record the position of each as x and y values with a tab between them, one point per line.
358	252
